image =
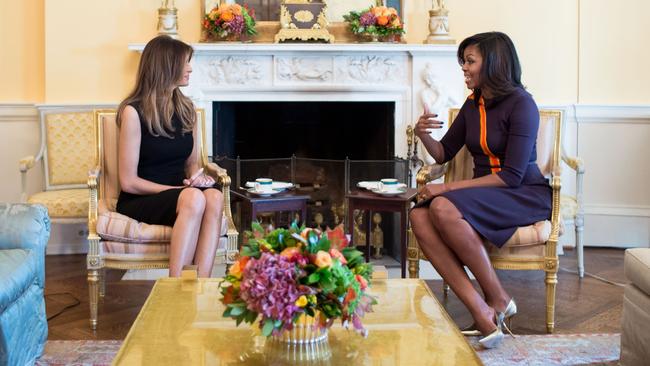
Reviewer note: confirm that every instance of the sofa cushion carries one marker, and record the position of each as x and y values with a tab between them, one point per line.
18	270
116	227
64	203
637	268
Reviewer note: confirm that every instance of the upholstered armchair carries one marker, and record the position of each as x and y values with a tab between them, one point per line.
533	247
67	153
24	232
119	242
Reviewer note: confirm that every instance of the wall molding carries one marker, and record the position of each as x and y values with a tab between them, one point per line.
18	112
600	113
617	210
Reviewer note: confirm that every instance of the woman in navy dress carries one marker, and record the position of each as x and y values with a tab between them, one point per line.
158	160
498	123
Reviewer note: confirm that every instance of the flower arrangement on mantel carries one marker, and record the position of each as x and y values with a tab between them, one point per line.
230	22
377	23
285	274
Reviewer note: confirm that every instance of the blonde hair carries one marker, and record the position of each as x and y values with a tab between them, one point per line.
156	89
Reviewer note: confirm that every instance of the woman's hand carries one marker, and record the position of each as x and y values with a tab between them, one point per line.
432	190
426	123
201	180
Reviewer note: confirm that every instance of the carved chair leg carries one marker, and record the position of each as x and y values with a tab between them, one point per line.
413	255
102	282
579	226
93	292
551	282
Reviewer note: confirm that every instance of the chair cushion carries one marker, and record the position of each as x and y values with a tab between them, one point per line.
568	207
144	252
637	268
63	203
115	227
18	271
527	241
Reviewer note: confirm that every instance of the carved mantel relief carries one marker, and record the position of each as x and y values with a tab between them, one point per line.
301	69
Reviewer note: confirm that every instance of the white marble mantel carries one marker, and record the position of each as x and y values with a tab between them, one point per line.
406	74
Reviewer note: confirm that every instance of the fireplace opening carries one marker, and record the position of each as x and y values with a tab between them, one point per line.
324	148
322	130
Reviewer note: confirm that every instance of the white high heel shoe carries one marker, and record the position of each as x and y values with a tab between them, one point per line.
508	314
495	338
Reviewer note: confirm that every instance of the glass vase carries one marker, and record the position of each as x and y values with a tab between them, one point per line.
305	331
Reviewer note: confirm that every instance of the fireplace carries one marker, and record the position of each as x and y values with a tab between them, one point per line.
323	130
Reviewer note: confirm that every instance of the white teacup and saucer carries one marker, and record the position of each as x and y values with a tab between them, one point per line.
390	187
263	187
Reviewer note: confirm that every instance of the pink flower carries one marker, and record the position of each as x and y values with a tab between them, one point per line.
338	255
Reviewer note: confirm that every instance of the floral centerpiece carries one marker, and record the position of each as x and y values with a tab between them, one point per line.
230	21
377	22
288	274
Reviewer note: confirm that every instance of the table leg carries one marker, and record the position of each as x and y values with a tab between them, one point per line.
404	234
368	232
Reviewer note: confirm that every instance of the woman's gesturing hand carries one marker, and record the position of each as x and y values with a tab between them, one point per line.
426	123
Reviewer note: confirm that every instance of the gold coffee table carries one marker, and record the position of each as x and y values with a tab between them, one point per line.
181	324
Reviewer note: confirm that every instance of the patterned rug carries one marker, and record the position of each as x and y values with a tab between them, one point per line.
560	349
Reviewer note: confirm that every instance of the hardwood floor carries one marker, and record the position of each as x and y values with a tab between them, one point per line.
583	306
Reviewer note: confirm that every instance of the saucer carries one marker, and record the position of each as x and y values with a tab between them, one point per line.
263	193
390	193
374	185
277	186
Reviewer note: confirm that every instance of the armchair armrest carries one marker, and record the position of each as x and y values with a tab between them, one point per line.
24	165
575	163
93	183
430	172
25	226
221	175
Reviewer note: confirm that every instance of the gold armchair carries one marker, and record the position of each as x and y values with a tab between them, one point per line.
533	247
67	153
117	241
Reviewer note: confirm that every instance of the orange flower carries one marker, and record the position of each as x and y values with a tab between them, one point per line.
228	296
362	281
236	9
214	14
290	252
396	23
350	296
378	10
227	16
237	268
323	259
382	20
338	255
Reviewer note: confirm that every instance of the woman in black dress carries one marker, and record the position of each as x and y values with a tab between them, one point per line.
498	123
158	160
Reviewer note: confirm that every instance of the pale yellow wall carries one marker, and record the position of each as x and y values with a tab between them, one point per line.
544	33
21	51
87	60
571	50
614	52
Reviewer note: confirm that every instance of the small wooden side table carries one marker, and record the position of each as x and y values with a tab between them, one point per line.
285	201
368	201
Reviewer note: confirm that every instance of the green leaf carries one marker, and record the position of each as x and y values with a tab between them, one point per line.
313	278
237	310
268	328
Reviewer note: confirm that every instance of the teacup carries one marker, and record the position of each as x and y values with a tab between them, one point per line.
264	185
389	185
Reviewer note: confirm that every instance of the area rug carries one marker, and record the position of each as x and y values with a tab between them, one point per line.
560	349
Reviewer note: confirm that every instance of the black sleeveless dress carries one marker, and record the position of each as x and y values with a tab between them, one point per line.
162	160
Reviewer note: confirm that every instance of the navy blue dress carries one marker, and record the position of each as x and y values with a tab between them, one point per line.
501	136
162	160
